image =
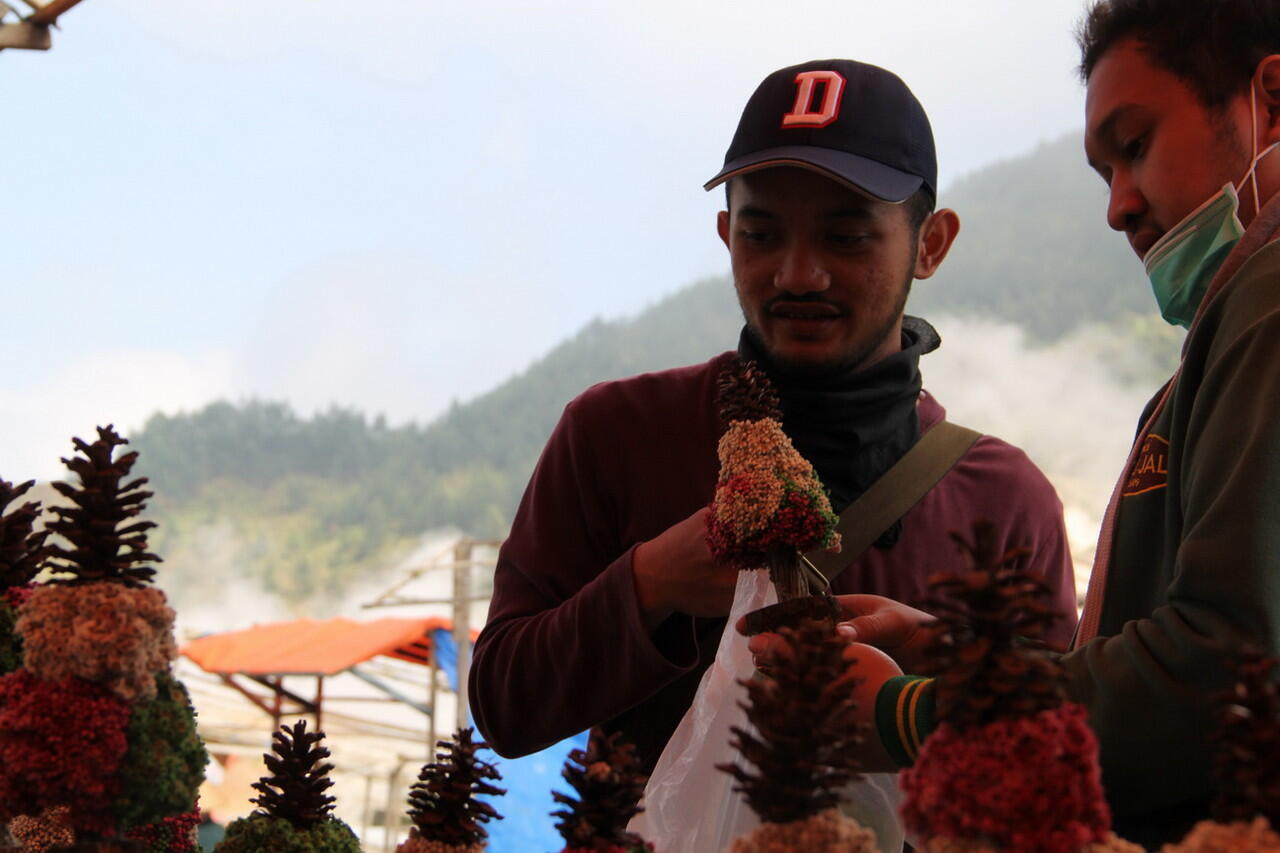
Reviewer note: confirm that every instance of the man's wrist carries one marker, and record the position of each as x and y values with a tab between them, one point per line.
653	609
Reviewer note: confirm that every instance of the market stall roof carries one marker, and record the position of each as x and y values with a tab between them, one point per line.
315	647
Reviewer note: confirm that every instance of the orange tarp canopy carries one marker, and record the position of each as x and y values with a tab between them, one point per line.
313	647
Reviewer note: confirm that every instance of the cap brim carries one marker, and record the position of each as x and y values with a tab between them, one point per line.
858	173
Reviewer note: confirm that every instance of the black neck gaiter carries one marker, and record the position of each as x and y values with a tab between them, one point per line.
855	424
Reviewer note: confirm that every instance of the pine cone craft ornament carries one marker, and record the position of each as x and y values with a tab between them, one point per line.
1012	766
1246	770
769	505
803	746
92	725
22	548
22	556
443	803
295	813
606	777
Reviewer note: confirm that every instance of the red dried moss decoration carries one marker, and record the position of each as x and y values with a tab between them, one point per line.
173	834
16	596
61	742
1027	783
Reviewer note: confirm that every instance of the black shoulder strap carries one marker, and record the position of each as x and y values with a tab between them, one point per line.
898	490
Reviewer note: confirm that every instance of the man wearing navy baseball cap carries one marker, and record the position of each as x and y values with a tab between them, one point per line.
607	604
832	180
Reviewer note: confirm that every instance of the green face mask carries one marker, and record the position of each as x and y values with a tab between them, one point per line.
1184	260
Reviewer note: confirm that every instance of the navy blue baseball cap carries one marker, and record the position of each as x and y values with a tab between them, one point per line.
858	124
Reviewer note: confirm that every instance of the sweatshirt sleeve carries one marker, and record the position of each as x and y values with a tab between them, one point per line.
1050	554
1005	486
564	647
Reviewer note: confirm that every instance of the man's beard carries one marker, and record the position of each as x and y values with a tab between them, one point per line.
1231	151
843	364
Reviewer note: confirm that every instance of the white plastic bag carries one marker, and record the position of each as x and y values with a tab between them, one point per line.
689	805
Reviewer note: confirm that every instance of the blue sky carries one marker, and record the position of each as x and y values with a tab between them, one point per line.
393	205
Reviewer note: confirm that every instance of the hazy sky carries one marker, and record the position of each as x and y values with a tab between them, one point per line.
394	204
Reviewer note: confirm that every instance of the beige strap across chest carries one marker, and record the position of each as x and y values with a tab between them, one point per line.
890	497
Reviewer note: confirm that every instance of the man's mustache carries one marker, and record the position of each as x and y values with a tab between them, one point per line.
786	302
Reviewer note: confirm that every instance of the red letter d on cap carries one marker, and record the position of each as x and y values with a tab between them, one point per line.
802	114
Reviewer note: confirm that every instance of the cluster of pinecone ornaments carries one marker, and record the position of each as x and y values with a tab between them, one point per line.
98	743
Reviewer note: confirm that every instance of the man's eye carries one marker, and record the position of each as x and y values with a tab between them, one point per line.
1133	149
756	237
847	239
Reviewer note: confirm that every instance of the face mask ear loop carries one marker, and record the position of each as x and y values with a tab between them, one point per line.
1253	166
1257	155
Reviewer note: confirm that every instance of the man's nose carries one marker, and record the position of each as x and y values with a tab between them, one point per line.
801	271
1125	204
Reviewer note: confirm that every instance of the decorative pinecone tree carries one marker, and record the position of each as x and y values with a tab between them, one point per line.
1012	765
1246	770
987	657
98	560
443	804
295	790
804	744
608	781
769	505
22	548
94	688
22	555
101	549
744	393
295	813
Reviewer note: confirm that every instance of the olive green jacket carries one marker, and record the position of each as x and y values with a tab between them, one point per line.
1193	568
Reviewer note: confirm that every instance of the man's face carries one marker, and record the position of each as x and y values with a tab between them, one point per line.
822	272
1160	150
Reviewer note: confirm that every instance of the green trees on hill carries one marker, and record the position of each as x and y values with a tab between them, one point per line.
306	505
1034	248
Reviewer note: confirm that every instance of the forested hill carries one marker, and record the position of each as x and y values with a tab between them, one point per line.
305	505
1034	247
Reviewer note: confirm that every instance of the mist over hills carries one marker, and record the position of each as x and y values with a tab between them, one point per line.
1036	288
1034	248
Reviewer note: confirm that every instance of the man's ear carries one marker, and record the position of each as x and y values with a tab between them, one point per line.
722	226
1266	81
937	233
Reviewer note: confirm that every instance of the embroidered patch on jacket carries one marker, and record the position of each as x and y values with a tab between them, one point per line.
1151	470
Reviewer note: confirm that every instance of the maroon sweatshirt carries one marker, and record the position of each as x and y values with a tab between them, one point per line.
565	647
